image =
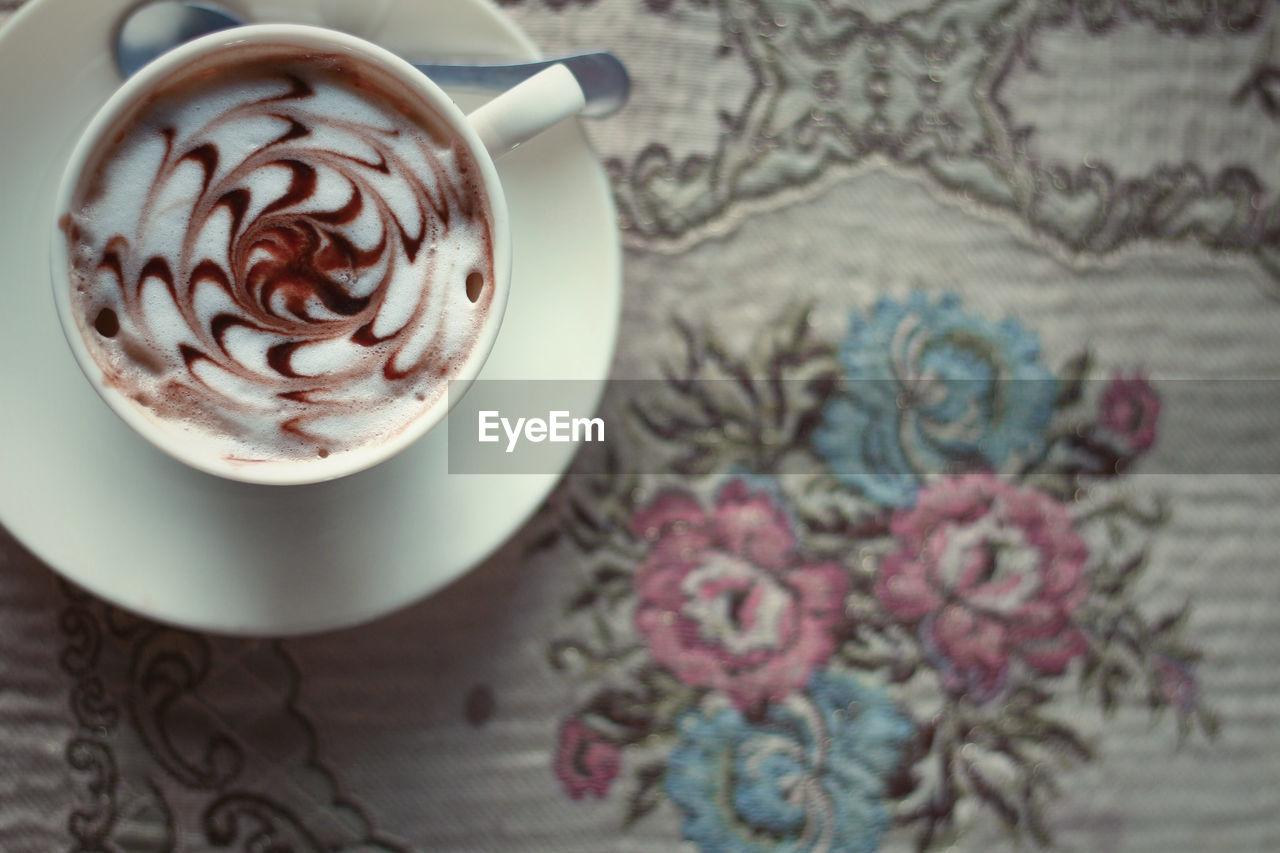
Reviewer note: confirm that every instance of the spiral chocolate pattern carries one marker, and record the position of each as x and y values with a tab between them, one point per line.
287	256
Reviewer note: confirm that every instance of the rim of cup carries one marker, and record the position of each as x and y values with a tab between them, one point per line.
188	446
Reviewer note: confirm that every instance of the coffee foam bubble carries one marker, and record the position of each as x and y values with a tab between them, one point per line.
286	247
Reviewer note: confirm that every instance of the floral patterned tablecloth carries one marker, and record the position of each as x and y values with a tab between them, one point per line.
949	525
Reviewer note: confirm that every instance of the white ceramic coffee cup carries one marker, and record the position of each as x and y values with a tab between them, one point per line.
487	133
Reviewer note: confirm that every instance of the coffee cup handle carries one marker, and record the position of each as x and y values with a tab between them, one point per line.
527	109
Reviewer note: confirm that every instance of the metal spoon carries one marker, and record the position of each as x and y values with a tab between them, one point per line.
155	28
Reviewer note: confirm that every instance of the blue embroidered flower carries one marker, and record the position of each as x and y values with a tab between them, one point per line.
931	389
808	777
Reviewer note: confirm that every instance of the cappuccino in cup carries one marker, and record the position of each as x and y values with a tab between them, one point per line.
283	252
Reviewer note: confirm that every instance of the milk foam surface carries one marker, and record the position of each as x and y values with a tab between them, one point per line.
286	248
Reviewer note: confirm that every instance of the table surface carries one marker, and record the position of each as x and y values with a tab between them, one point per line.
946	517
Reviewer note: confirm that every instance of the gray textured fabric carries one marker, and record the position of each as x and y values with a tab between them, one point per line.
1102	175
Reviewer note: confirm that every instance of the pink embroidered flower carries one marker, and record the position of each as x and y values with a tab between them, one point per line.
585	762
1177	684
991	573
721	599
1128	410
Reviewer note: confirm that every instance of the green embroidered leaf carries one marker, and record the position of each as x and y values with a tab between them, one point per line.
647	793
584	599
991	795
1071	378
1173	622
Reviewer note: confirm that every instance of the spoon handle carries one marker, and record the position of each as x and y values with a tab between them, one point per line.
602	76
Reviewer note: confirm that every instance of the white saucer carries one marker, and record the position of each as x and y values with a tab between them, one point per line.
112	514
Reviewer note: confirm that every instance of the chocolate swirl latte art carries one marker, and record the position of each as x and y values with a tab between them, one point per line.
291	257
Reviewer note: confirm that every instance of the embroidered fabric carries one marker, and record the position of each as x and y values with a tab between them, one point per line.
948	567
